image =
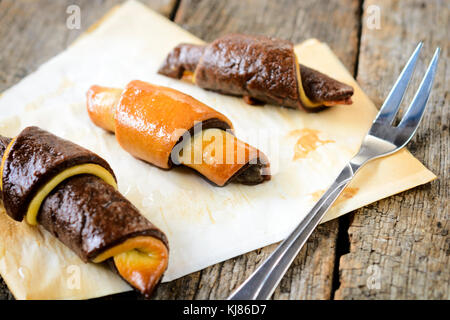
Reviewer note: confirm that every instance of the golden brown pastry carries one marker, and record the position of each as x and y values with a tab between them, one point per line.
164	127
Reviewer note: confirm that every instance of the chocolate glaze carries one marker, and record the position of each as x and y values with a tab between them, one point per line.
260	68
89	216
35	157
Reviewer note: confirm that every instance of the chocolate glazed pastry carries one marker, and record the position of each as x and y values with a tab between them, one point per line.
164	127
72	193
259	68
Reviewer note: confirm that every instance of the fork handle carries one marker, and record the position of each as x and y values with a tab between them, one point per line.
262	283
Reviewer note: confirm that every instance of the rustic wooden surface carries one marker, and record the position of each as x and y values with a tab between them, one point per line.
404	237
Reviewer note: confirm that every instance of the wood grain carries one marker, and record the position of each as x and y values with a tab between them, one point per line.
405	236
335	22
33	31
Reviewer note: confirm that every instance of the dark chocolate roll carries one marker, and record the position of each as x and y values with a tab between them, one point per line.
89	216
321	88
182	58
258	67
32	159
261	69
85	212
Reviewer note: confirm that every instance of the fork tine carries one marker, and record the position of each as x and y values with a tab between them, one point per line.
390	106
415	111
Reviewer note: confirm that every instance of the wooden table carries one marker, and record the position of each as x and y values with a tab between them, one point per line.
397	248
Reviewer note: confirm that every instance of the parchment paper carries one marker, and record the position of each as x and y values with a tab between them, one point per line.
204	224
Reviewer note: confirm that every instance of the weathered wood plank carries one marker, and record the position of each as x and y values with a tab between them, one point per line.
31	32
405	237
335	22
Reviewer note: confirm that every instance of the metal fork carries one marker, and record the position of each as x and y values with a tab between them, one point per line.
382	139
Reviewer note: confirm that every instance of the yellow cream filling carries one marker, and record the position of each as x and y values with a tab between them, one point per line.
303	97
211	146
5	155
44	191
144	244
188	76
